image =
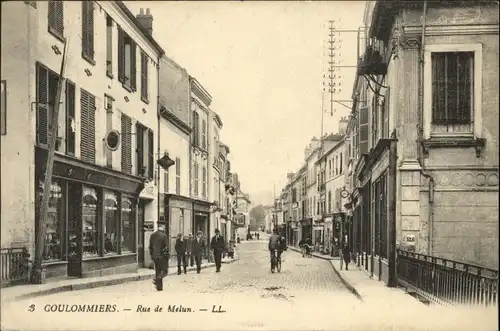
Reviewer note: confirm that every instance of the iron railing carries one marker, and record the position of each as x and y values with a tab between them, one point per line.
447	282
14	266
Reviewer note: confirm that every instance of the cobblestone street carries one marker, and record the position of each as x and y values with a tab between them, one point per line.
306	294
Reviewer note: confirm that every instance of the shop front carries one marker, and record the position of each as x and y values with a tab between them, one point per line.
178	216
307	229
201	221
327	234
92	219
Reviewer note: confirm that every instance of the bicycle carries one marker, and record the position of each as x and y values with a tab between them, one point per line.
275	261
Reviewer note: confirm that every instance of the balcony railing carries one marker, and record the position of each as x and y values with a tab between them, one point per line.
14	266
447	282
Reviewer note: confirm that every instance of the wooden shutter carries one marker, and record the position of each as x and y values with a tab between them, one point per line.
88	29
386	110
121	55
151	154
196	178
87	143
374	120
139	148
177	175
165	181
70	118
126	146
133	65
204	134
204	183
144	76
56	17
363	130
42	115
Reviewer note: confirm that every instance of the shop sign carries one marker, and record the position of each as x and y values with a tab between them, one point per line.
149	191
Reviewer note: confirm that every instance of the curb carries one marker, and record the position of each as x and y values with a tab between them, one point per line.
346	283
103	283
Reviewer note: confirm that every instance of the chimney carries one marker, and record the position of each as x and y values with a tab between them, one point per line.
343	125
146	20
290	175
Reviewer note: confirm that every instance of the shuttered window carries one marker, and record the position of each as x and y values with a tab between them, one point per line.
144	77
363	130
374	121
56	18
42	113
87	140
177	176
109	46
204	135
70	118
204	183
195	178
196	129
385	114
121	55
127	60
126	146
165	181
133	64
88	30
151	154
140	129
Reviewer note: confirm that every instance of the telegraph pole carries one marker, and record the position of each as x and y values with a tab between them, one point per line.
48	171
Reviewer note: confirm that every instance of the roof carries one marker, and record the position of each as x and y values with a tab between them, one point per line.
331	149
138	24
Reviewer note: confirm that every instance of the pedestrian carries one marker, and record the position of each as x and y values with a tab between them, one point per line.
180	250
346	254
197	250
217	245
158	249
189	250
230	249
258	236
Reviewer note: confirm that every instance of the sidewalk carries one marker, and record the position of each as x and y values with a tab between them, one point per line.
315	254
371	290
29	291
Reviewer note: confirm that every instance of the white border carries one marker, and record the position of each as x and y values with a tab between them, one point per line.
478	84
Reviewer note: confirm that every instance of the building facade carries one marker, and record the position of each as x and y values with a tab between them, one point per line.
425	149
100	187
215	173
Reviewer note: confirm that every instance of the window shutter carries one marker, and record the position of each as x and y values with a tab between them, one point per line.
56	17
386	110
42	115
133	65
144	75
139	147
165	181
121	55
177	175
151	154
87	144
204	134
88	28
70	118
126	146
363	130
204	182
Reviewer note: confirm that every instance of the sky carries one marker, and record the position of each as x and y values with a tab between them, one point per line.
263	63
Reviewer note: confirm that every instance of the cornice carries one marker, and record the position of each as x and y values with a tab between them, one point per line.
198	90
217	119
176	121
450	29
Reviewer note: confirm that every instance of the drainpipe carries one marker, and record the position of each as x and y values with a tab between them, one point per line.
158	118
421	133
190	158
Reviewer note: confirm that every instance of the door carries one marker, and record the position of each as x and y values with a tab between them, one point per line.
74	239
141	234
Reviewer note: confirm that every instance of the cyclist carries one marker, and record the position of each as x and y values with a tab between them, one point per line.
274	246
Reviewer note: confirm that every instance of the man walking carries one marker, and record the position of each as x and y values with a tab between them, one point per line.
189	250
197	250
158	249
180	250
217	245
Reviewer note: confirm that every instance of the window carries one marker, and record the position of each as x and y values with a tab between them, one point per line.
128	228
111	223
196	128
90	239
70	118
47	81
87	140
109	46
204	135
127	50
329	201
374	131
144	77
177	176
56	18
196	174
330	167
54	227
151	154
336	165
340	164
166	182
384	109
88	31
363	131
139	150
108	105
204	182
144	151
126	144
452	90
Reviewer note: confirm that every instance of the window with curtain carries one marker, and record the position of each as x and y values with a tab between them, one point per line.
90	225
111	223
128	225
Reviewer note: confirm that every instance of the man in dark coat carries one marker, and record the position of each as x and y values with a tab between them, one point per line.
189	250
158	249
217	244
180	250
346	255
197	250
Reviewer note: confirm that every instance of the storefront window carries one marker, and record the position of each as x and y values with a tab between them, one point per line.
90	239
128	222
52	244
111	223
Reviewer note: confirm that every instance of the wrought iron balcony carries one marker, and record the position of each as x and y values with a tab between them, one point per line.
372	62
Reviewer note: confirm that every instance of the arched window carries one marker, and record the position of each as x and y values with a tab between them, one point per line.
111	225
128	226
90	239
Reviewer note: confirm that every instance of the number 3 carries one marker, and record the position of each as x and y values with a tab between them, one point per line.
31	308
